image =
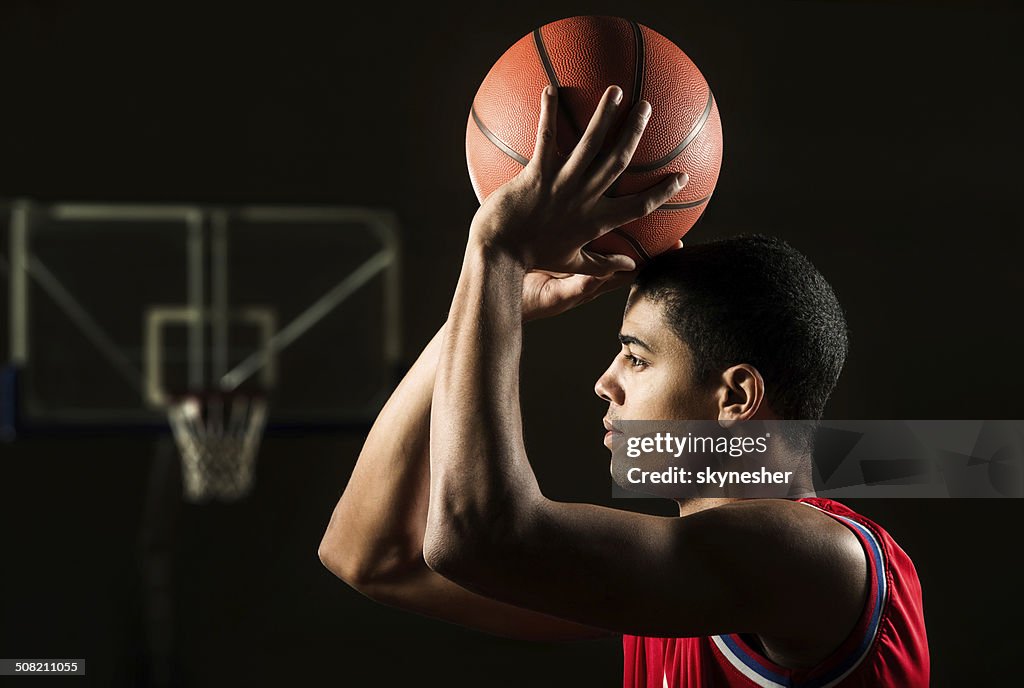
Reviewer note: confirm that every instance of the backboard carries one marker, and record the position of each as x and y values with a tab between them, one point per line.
110	310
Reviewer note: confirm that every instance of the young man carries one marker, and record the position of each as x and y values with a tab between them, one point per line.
443	514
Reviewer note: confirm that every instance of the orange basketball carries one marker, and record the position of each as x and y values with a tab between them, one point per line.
581	57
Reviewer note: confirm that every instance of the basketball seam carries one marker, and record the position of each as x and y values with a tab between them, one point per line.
549	68
641	62
545	59
670	206
501	145
685	206
637	246
698	127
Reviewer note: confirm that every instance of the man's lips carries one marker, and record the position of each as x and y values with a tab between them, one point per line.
610	427
612	432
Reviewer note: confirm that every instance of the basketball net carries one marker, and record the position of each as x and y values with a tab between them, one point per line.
218	436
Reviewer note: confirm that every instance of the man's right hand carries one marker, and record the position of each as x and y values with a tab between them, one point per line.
549	293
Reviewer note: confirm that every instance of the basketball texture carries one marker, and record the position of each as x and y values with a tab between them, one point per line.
581	57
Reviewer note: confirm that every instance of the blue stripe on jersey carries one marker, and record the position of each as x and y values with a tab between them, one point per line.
846	665
879	570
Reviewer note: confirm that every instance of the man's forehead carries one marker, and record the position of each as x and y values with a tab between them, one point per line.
645	322
644	319
640	306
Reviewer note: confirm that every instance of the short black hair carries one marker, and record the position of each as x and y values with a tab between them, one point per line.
754	299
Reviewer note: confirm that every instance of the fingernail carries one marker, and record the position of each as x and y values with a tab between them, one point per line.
681	180
616	95
548	90
645	109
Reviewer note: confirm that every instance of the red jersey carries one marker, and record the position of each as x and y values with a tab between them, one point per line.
888	646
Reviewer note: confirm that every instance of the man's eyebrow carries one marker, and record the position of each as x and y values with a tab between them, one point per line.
630	339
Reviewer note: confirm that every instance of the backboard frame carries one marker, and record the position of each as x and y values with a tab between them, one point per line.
205	232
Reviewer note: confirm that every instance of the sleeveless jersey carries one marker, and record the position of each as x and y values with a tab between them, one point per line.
887	647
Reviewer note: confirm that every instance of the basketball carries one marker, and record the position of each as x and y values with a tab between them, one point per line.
581	57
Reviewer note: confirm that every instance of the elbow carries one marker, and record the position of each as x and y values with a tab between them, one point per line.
351	569
444	557
365	569
466	540
463	549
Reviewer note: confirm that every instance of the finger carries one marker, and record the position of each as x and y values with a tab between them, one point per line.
550	273
622	153
616	281
593	138
580	289
624	209
577	287
544	149
600	265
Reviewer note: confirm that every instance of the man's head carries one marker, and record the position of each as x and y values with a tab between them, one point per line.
735	329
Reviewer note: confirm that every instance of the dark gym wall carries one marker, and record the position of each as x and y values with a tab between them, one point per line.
883	139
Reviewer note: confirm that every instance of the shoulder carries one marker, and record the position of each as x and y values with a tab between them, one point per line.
794	558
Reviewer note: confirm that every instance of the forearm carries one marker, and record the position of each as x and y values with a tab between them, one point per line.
378	524
480	477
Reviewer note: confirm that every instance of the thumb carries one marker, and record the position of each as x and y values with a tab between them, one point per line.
600	265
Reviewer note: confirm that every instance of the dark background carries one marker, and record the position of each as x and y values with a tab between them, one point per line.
882	139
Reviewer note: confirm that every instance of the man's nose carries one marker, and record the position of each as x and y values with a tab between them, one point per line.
608	388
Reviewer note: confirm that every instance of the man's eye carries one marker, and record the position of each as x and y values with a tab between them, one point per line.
634	361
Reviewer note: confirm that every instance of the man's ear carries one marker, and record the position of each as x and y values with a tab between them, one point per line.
740	394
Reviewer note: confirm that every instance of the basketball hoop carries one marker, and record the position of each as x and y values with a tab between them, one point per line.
218	435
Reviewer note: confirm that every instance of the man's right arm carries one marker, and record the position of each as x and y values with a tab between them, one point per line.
374	541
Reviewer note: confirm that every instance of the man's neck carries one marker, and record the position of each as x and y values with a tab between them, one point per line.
688	507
